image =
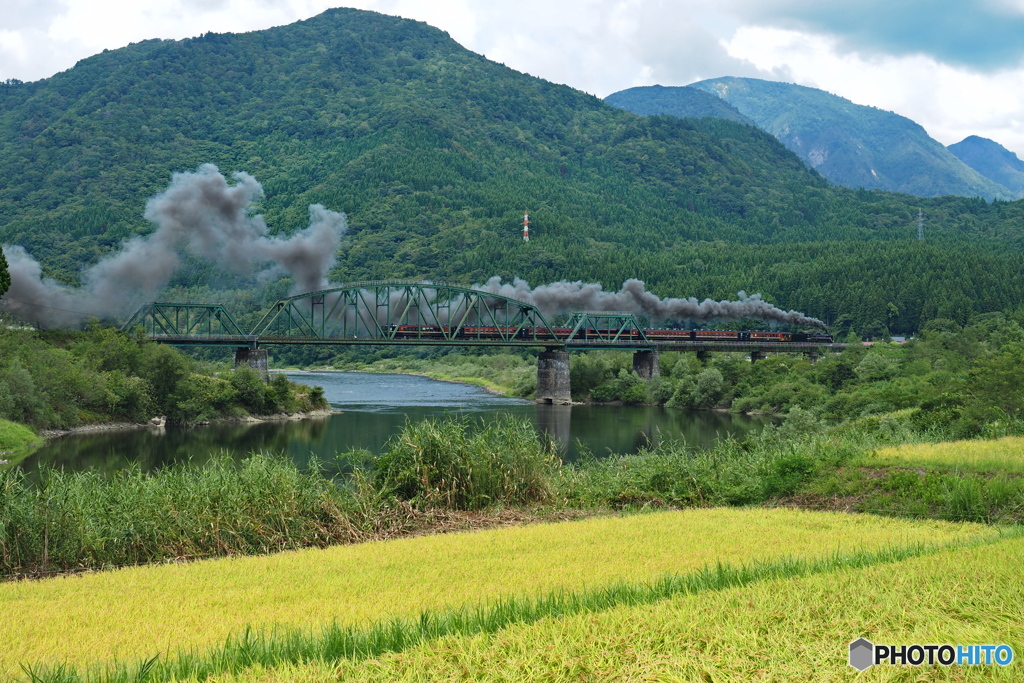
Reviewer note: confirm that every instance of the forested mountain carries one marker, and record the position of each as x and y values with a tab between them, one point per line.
853	145
991	160
434	152
684	103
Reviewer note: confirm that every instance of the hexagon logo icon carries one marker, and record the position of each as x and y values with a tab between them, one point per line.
862	654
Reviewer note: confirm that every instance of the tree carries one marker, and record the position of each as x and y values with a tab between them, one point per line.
5	276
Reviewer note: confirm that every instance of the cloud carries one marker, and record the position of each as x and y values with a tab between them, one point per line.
986	35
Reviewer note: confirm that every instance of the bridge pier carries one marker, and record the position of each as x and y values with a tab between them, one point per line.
257	359
703	356
553	378
756	356
813	356
645	364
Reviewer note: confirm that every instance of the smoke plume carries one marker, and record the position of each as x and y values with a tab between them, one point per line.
563	297
199	213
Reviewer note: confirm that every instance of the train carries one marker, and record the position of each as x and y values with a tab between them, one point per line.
562	333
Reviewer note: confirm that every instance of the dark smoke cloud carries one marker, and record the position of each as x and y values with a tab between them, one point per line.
563	297
199	213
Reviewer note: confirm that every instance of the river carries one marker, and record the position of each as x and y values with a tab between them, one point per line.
372	408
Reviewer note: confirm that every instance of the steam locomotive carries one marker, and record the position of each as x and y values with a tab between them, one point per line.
562	333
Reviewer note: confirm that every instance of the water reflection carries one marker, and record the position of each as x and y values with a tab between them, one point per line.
373	408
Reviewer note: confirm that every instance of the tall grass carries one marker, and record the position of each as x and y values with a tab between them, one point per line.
453	463
66	521
335	642
79	520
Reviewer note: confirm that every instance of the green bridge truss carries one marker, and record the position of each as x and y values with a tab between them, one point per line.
399	312
402	312
189	325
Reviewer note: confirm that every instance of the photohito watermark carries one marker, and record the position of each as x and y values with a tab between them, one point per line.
864	654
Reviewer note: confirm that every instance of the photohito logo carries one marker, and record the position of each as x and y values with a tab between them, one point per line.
864	654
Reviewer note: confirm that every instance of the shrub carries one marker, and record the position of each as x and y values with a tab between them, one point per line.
452	463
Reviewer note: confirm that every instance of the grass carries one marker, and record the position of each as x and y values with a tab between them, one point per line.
161	609
793	626
998	455
15	436
64	521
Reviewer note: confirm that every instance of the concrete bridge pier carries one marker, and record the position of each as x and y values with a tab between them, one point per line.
553	377
257	359
703	356
813	356
645	364
756	356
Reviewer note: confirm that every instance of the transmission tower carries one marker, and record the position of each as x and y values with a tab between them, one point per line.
920	225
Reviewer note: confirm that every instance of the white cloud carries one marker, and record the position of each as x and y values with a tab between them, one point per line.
950	102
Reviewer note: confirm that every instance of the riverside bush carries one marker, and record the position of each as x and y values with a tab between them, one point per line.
452	463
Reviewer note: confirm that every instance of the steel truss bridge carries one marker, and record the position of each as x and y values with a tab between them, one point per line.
409	313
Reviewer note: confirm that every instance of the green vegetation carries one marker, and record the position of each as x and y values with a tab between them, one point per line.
14	436
991	160
5	276
853	145
63	379
454	464
956	382
434	152
683	103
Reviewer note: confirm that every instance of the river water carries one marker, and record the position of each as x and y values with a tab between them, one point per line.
373	408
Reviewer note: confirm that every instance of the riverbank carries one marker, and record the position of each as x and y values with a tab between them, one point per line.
505	375
15	438
161	423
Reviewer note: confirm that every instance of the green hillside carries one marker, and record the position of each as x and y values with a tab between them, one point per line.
434	152
684	102
991	160
853	145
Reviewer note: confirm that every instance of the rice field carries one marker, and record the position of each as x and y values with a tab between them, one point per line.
997	455
781	630
142	611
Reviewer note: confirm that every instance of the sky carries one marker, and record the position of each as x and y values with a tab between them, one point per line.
954	66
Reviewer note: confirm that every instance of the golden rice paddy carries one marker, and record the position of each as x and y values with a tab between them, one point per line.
996	455
782	630
142	611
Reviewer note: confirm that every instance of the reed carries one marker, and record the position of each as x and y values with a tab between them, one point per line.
65	521
457	464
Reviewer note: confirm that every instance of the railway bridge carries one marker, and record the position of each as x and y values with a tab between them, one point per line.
412	313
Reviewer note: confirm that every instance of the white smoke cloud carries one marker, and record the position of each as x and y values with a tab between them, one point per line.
563	297
199	213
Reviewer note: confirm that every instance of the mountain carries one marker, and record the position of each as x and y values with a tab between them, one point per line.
682	102
851	145
434	152
993	161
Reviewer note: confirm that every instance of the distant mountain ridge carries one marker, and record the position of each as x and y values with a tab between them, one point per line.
683	102
852	145
993	161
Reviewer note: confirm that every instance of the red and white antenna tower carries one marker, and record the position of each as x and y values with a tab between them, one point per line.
526	226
